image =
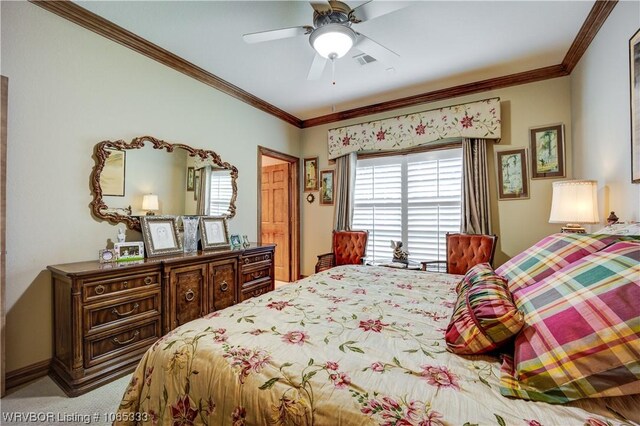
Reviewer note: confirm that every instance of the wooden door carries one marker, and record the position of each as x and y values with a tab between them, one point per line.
275	216
222	284
188	286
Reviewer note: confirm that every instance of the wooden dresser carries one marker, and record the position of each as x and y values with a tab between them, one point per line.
107	315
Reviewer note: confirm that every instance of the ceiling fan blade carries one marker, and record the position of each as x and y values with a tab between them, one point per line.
277	34
321	6
373	9
375	49
317	66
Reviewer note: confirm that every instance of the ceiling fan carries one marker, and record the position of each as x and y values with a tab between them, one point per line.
332	35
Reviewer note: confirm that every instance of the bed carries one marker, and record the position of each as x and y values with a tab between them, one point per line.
352	345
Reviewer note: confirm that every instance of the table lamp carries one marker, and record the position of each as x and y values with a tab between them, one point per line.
574	202
150	204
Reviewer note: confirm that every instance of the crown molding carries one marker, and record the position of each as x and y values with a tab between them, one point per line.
78	15
89	20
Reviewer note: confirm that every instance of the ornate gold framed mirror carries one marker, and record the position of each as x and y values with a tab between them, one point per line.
180	180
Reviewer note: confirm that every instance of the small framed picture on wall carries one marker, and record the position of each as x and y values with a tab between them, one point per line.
513	182
547	151
634	72
327	190
310	174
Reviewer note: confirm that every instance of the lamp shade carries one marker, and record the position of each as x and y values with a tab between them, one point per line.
574	201
150	202
332	40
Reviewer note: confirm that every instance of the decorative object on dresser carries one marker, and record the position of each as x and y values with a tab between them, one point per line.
513	181
133	250
107	255
148	151
214	233
160	234
107	315
574	202
235	241
547	151
245	241
190	233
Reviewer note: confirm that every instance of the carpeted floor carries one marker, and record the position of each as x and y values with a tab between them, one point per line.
47	404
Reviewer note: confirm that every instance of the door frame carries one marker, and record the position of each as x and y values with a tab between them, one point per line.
4	103
294	206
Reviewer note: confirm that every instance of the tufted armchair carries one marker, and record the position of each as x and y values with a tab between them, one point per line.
465	251
349	248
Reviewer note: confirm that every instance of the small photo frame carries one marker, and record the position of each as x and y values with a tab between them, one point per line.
235	241
513	181
547	151
310	174
107	255
160	234
128	251
245	241
214	232
191	174
327	189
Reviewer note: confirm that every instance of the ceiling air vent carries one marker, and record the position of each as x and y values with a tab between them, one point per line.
364	59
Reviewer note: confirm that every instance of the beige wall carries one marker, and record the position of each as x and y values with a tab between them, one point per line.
518	223
600	114
70	89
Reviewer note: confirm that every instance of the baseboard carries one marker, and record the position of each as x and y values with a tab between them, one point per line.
26	374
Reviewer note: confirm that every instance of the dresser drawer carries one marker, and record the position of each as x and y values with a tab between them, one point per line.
122	341
117	312
256	290
256	276
256	259
103	288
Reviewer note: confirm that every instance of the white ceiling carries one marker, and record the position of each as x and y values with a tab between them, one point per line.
440	43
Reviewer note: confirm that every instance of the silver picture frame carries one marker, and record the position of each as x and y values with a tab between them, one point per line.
214	233
160	234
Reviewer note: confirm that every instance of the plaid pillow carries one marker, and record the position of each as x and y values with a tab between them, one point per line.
581	337
549	255
485	316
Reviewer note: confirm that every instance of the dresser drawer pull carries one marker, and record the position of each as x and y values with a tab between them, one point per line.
246	260
125	284
148	280
267	257
124	314
224	286
257	275
99	289
118	342
257	292
189	295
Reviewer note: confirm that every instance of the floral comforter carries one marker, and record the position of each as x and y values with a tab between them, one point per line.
354	345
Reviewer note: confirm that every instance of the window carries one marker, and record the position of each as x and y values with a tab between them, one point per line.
220	192
414	198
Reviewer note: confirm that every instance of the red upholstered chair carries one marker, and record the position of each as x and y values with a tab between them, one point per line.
349	248
465	251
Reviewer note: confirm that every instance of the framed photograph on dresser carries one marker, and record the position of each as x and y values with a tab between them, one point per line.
160	235
214	233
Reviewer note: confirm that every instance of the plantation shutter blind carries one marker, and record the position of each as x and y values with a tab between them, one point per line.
220	192
412	198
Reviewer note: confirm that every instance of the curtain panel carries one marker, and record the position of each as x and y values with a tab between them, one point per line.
475	218
346	182
473	120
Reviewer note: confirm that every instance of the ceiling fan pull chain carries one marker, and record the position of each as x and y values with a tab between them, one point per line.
333	71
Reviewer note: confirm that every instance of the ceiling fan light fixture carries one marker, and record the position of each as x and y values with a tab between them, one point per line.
332	41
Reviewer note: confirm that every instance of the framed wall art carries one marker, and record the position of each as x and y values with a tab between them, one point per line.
547	151
196	187
160	234
214	232
112	178
133	250
327	190
513	181
310	174
634	72
191	174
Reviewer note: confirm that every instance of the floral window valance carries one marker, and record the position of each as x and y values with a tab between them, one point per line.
473	120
